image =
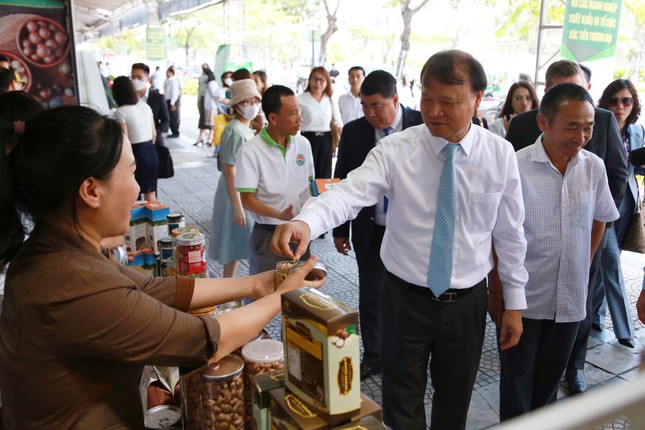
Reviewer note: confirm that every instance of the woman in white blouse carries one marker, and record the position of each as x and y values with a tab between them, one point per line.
139	126
317	110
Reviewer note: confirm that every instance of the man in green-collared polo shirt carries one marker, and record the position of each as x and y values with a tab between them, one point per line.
273	173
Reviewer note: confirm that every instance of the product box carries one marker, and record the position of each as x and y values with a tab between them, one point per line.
154	232
322	351
135	238
288	412
136	259
319	186
155	211
264	384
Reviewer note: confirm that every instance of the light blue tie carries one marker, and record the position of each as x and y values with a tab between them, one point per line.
440	266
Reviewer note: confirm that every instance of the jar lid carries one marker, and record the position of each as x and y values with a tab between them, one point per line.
165	241
162	416
228	366
175	216
189	239
263	351
318	272
181	230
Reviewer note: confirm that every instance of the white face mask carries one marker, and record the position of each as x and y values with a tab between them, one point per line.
249	112
139	85
228	81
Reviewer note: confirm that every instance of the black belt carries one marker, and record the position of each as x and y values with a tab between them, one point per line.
317	133
265	227
449	296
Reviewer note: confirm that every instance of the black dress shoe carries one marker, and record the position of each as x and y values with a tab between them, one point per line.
172	136
577	381
628	342
596	326
367	371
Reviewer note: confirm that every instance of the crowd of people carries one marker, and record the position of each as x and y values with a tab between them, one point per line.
449	221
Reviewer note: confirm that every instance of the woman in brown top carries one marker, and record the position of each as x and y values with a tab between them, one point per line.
77	329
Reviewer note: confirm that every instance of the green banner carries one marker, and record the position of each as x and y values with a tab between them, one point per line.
155	44
590	29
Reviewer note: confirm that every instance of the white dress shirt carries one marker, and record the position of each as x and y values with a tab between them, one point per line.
172	89
350	107
407	166
396	126
560	210
316	116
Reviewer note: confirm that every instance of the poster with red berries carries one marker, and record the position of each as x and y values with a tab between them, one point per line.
36	37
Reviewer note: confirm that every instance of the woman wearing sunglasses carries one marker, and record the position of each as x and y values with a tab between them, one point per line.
621	98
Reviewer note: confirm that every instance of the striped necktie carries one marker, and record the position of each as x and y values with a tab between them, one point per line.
440	265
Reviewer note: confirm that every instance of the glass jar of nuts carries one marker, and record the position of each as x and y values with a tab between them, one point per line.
260	356
223	395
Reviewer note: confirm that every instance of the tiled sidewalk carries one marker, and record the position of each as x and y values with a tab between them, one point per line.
192	190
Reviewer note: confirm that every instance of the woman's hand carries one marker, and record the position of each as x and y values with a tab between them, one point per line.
507	120
239	217
296	279
263	284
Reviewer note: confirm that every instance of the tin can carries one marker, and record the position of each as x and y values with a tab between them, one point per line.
175	220
191	256
166	250
223	395
284	268
162	417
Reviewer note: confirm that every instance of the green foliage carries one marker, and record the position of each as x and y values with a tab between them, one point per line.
188	86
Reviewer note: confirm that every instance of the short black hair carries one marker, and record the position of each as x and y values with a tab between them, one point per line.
356	68
123	91
455	67
142	66
559	94
379	82
171	69
272	98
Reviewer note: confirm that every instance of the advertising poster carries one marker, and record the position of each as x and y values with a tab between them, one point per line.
36	36
590	29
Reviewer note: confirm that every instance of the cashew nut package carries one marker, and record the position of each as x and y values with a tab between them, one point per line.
321	341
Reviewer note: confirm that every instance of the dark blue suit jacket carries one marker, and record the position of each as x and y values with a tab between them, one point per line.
605	142
356	142
157	103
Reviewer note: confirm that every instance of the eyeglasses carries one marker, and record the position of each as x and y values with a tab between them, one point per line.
319	80
625	101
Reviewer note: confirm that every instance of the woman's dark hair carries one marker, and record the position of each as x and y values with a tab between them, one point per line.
7	77
329	89
123	91
59	149
17	106
617	86
210	75
507	109
261	74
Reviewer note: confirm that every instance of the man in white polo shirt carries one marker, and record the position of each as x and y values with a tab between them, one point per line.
273	173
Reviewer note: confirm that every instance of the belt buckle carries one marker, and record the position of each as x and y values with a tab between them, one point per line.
447	297
319	133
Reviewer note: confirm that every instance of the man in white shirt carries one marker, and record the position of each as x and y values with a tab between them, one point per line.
172	92
272	173
567	202
349	103
481	187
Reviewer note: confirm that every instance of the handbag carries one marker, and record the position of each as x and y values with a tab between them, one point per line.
335	136
166	168
634	240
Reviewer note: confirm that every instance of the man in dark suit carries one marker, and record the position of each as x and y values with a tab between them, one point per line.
606	143
383	115
140	75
